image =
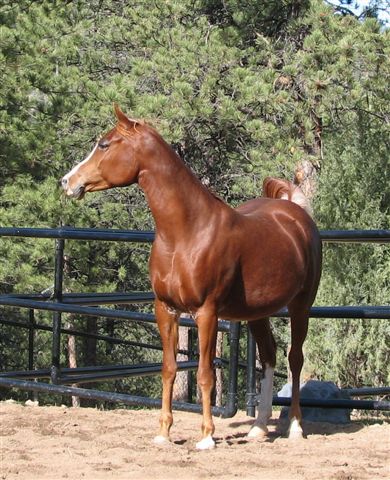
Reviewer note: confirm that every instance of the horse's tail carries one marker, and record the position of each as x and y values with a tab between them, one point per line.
285	190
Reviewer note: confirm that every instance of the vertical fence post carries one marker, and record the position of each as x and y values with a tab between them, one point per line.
251	376
31	338
231	404
191	356
57	296
31	335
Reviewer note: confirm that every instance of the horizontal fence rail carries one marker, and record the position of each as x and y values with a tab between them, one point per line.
334	403
355	236
90	305
91	394
71	233
61	307
100	373
340	312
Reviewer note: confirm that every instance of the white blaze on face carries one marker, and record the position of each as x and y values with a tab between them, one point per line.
65	180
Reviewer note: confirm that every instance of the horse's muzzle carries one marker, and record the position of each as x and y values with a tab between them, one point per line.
77	193
64	183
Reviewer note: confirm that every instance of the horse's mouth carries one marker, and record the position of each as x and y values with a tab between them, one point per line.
78	193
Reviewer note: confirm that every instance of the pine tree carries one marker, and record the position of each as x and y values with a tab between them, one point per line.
242	90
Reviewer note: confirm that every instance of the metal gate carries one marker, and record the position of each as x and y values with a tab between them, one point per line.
87	304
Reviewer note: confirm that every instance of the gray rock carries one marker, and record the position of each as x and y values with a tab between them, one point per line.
318	390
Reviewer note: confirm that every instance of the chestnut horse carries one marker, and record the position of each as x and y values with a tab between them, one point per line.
213	261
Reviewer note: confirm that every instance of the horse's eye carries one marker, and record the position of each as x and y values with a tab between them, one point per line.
103	144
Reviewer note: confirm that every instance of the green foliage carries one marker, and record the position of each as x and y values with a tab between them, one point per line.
356	350
243	90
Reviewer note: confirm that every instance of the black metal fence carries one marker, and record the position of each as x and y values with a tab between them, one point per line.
88	304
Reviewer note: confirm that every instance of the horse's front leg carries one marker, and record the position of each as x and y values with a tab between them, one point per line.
207	322
167	321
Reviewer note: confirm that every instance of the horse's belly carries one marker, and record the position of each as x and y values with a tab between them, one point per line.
237	307
242	311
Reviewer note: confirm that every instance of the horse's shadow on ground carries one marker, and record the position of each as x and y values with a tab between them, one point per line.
279	430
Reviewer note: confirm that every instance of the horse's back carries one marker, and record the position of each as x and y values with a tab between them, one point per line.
265	208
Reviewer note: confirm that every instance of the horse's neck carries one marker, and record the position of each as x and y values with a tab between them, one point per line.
179	203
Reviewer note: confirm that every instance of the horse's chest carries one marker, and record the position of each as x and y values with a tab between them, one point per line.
181	280
165	276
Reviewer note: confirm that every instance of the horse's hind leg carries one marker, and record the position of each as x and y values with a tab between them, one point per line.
299	327
262	332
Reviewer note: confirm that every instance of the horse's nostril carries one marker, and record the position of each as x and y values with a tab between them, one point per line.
64	182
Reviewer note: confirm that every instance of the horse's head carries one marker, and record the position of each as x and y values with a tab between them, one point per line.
113	161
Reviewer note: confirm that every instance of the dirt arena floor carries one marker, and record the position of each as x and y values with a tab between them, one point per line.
55	443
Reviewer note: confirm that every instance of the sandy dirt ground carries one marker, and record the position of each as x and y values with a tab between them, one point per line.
85	443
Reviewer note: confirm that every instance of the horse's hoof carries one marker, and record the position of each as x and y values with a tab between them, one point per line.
161	440
295	432
257	432
294	436
206	443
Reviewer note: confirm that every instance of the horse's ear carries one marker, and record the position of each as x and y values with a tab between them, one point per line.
123	119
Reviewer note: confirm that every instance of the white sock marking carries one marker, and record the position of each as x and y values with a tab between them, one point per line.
160	440
295	430
265	404
206	443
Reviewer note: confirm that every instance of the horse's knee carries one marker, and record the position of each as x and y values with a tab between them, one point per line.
169	372
205	377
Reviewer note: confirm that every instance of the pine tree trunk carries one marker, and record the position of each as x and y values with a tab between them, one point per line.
219	372
306	172
72	357
180	387
110	329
